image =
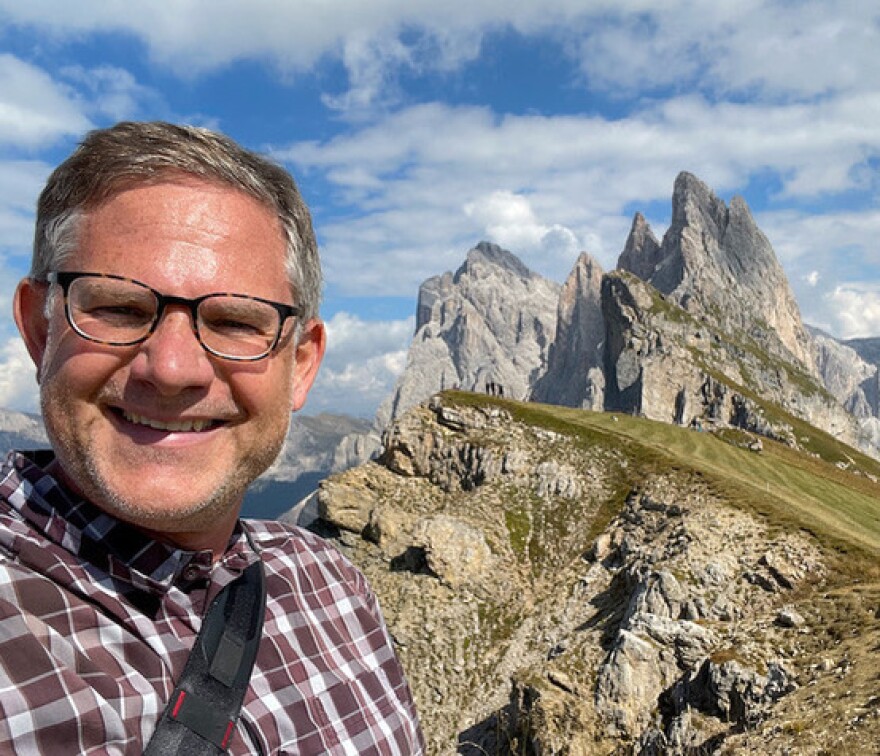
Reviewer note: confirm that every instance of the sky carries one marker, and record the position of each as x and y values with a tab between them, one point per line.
416	129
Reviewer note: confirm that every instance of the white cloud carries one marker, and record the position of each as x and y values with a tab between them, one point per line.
363	361
758	47
35	110
113	92
18	389
431	180
771	48
509	220
20	183
855	310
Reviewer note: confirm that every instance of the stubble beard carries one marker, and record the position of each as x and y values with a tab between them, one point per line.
81	469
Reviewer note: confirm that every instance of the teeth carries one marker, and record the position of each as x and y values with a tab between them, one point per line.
179	426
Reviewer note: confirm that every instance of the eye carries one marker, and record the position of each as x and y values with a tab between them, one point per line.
235	317
232	327
114	312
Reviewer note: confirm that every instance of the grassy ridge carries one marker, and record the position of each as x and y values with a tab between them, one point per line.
840	508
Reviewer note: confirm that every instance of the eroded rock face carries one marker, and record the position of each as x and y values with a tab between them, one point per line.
662	363
574	369
715	262
523	619
491	322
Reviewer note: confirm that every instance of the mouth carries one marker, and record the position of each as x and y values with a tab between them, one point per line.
183	425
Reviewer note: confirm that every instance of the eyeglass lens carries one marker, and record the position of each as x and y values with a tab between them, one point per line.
121	312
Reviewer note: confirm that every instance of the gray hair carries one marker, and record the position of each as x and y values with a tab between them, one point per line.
111	160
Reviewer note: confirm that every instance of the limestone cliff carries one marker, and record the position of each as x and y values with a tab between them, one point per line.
716	263
491	322
574	367
664	363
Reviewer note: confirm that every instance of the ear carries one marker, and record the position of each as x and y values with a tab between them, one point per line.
308	355
28	308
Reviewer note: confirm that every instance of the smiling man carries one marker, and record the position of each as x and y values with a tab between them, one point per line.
171	313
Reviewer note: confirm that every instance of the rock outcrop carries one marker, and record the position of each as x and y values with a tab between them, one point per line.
491	322
558	591
666	364
574	375
716	263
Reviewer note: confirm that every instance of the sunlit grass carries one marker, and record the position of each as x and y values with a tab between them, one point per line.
840	508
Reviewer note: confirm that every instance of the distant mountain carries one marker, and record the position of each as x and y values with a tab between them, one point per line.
19	430
703	327
491	322
716	263
867	349
699	327
310	453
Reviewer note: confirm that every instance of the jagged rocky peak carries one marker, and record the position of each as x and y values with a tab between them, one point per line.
641	255
486	253
574	375
716	263
491	322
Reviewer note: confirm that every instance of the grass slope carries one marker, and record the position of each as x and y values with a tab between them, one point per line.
839	507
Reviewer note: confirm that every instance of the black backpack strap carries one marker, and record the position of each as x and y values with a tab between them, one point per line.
200	717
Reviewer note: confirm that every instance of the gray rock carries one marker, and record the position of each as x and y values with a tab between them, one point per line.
573	375
714	261
789	617
492	321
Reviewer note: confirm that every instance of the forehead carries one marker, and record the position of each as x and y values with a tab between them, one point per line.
186	231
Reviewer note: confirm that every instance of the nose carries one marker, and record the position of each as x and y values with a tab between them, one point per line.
172	359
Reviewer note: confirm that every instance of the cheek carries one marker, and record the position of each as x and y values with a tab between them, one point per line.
78	376
264	395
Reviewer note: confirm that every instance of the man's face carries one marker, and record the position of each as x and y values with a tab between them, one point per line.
123	420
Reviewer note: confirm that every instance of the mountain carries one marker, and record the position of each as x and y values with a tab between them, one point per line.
310	453
563	580
703	327
574	375
566	581
491	322
19	430
867	349
698	328
715	263
663	363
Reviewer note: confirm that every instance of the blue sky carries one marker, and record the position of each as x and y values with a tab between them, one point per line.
416	129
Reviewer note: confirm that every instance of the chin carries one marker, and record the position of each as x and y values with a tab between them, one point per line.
159	507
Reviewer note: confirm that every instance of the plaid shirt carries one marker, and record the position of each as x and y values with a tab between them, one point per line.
97	620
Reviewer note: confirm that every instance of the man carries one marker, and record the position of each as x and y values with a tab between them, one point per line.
171	313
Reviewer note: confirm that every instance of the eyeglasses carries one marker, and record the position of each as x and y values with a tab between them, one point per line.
119	311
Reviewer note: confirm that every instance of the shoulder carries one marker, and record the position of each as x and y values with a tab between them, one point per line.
289	548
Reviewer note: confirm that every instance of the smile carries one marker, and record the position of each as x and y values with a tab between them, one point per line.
174	426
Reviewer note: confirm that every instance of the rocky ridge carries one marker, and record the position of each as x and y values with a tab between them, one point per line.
574	376
557	591
663	363
716	263
701	327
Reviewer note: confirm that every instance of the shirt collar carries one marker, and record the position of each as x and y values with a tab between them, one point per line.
120	549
